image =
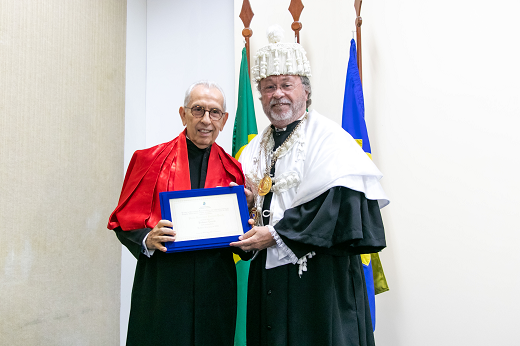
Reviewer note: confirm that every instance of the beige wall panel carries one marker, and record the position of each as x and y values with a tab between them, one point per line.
62	73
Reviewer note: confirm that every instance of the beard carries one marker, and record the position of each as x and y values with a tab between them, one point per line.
286	117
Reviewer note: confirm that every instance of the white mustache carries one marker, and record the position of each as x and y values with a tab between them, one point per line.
274	102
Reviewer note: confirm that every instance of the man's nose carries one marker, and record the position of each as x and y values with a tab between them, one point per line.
206	119
278	93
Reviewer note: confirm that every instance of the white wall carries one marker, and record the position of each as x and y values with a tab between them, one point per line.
171	44
445	105
187	41
442	107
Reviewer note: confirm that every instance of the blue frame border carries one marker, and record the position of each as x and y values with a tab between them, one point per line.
208	243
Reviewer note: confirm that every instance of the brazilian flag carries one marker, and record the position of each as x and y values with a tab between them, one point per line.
244	131
245	121
353	122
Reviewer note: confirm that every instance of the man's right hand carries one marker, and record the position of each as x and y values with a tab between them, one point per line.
257	238
161	233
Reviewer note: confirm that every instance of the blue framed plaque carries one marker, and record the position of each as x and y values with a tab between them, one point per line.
205	218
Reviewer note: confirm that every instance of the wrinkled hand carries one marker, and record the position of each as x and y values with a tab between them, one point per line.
257	238
161	233
250	198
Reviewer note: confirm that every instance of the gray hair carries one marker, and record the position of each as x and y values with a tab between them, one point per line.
306	85
208	84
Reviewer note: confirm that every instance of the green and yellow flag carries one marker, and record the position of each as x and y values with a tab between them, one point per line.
244	131
245	122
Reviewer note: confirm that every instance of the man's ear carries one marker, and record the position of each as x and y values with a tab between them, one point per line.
223	121
182	113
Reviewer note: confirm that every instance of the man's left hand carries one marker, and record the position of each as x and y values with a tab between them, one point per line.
258	238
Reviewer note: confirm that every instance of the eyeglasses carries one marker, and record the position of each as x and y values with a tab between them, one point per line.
285	87
199	112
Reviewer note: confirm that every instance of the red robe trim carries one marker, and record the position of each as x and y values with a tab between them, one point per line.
165	167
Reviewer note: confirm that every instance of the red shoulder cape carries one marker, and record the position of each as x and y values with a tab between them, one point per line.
161	168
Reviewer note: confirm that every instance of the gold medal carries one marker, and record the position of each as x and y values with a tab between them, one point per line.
265	185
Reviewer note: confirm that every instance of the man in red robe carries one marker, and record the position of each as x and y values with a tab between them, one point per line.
186	298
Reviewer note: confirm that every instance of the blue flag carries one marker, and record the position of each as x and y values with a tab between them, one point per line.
353	121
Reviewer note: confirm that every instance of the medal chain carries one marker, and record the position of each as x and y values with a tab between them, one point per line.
266	182
279	149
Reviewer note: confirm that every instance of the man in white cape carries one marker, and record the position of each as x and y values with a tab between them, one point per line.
317	201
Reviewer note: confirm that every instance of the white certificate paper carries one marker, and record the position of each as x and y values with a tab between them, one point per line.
204	217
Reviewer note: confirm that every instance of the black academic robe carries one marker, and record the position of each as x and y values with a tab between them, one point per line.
186	298
328	304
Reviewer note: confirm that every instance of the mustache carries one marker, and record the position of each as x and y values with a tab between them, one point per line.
274	102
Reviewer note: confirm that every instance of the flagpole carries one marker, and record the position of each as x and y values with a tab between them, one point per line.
359	21
246	14
296	8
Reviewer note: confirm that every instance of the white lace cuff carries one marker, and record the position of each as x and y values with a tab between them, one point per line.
283	250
